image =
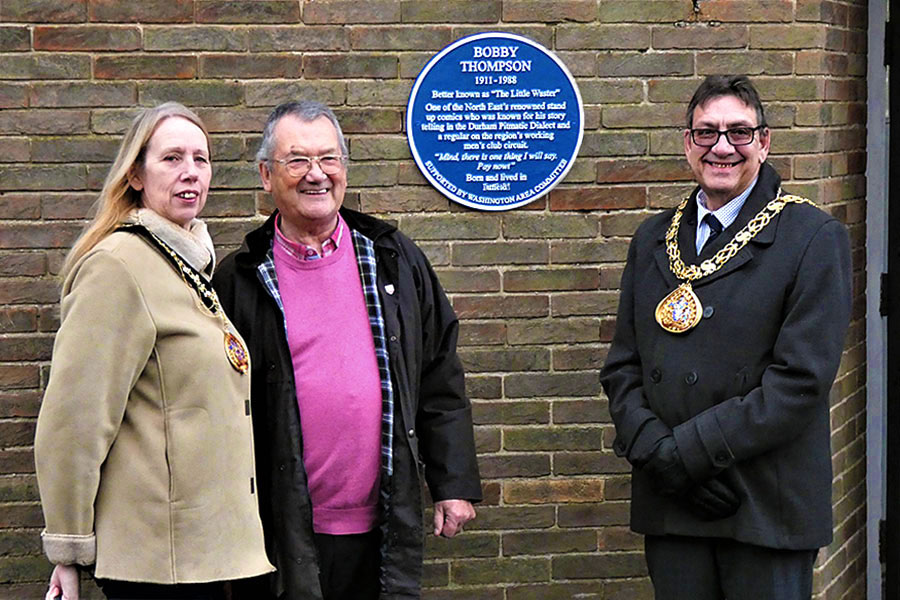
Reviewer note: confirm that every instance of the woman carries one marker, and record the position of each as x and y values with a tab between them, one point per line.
144	443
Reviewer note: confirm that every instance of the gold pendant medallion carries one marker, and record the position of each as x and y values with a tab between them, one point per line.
236	353
680	310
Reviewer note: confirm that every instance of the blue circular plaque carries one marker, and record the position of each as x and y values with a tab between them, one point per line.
494	121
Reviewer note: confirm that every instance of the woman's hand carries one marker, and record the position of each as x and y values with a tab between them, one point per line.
64	582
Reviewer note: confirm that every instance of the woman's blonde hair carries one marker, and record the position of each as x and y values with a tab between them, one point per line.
118	198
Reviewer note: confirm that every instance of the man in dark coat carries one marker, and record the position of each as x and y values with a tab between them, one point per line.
729	333
357	391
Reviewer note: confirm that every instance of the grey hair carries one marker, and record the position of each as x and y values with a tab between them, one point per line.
305	110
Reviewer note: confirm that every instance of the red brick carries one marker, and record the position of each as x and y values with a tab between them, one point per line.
700	36
633	170
145	11
14	39
747	62
145	67
787	36
547	542
16	460
613	564
602	37
15	149
86	38
44	235
596	198
251	12
476	307
250	66
13	95
399	38
22	264
351	11
553	491
45	66
44	11
44	122
481	334
17	376
747	10
594	515
550	11
560	591
77	94
659	115
317	39
207	38
17	404
232	120
343	66
452	11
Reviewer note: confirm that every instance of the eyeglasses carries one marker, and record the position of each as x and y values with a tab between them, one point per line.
298	166
739	136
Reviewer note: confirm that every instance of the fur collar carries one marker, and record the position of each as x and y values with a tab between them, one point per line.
194	246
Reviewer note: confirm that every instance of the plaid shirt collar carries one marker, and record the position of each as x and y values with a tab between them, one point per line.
302	251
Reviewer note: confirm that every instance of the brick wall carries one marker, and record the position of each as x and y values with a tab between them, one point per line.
536	288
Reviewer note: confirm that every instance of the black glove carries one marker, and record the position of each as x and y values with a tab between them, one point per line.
712	500
667	471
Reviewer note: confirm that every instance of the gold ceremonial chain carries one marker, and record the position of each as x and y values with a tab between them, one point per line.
208	302
681	310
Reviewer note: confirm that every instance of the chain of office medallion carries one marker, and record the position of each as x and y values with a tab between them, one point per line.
205	293
741	238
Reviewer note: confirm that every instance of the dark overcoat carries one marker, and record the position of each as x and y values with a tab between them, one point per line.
433	438
745	392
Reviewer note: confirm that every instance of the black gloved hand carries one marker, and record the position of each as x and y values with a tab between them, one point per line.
712	500
667	471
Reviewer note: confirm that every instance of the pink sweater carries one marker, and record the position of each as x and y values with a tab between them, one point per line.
338	386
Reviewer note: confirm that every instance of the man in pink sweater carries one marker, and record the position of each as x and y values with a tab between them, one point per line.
357	391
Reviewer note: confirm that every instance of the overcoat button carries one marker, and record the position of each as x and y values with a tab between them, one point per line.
708	311
411	433
690	378
393	338
655	375
721	458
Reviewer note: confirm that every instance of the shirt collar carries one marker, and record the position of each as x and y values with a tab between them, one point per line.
304	252
728	212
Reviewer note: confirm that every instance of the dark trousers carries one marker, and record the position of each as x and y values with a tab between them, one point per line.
720	569
130	590
349	565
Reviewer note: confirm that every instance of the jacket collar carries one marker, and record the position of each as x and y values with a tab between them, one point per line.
258	242
766	189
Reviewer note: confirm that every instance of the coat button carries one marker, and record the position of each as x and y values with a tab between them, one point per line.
393	338
721	458
690	378
655	375
708	311
411	433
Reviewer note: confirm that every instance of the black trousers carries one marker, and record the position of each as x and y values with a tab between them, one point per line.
130	590
720	569
349	565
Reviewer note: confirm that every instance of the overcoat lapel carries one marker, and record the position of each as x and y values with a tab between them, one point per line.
766	189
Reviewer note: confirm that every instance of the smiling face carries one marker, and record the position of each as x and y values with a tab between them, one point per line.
174	177
723	170
308	204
